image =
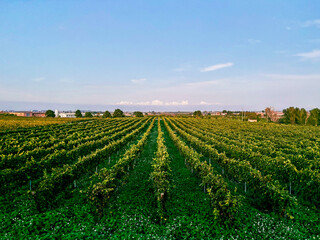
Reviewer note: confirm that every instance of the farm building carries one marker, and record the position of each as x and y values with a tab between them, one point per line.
28	114
67	115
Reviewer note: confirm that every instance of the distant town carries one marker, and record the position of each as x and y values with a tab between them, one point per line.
290	115
72	114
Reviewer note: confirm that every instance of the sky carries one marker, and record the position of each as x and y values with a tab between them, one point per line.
159	55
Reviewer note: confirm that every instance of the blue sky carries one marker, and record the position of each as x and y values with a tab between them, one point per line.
168	55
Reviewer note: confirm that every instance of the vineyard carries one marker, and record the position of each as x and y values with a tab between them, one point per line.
8	122
159	178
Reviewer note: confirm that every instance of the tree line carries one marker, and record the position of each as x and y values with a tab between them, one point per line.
106	114
291	115
300	116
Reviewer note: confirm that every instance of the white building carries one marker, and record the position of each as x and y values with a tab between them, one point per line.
67	115
252	120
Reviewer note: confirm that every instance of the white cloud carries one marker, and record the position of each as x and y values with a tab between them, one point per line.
39	79
125	103
147	103
154	103
312	23
208	103
138	81
309	55
216	67
182	103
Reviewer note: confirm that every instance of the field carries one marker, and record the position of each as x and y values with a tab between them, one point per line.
8	122
159	178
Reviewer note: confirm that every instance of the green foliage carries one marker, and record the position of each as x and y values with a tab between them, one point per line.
78	114
51	185
106	114
118	113
225	205
250	115
88	115
138	114
295	116
301	116
229	114
220	155
289	115
50	113
11	123
20	168
314	118
197	113
109	179
244	172
161	174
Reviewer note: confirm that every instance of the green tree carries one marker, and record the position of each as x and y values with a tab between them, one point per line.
229	114
78	114
289	115
251	115
88	115
301	116
50	113
106	114
197	113
118	113
314	118
295	116
138	114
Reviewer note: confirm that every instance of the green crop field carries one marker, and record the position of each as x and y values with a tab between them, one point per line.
8	122
160	178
